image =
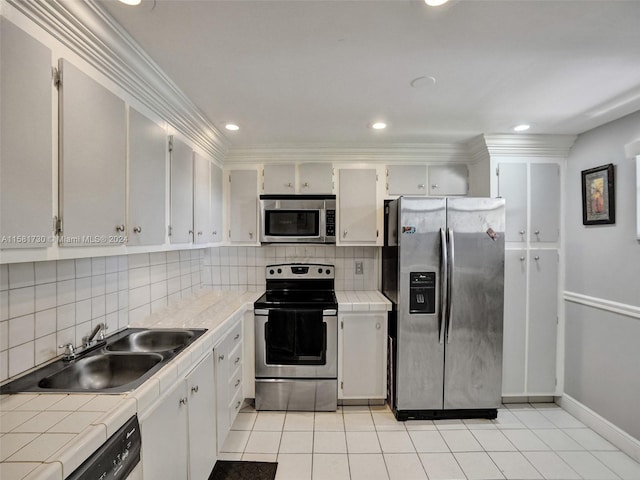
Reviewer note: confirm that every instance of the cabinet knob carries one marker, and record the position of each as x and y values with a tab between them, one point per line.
237	383
199	233
190	232
522	259
537	232
344	234
237	336
378	326
289	185
238	404
221	357
237	360
137	229
421	185
434	186
183	401
119	228
305	184
536	258
521	232
194	389
214	233
250	234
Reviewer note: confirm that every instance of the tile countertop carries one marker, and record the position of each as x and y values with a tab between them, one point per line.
47	436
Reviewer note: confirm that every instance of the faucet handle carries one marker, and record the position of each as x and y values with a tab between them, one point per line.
102	335
69	352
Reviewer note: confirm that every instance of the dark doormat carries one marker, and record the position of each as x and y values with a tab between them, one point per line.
237	470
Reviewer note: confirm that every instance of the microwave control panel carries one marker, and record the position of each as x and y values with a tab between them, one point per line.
331	223
422	292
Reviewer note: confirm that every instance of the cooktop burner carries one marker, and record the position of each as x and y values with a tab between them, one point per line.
299	285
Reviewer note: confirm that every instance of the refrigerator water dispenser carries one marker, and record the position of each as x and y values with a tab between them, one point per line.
422	292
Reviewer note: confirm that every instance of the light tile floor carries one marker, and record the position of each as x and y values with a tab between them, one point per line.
525	442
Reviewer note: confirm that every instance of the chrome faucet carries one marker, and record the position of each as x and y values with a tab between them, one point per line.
86	340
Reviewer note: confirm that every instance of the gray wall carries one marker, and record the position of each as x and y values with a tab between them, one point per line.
602	348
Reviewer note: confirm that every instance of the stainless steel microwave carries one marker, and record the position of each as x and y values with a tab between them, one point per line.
298	218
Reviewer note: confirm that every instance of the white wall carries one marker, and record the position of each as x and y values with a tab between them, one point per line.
602	286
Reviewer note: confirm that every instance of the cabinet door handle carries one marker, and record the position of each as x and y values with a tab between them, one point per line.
137	229
434	186
214	233
237	383
305	184
238	404
237	336
289	185
537	232
250	234
344	234
522	259
378	326
183	401
536	258
199	233
194	389
221	357
119	228
421	185
522	232
237	360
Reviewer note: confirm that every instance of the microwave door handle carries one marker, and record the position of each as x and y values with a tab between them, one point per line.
443	284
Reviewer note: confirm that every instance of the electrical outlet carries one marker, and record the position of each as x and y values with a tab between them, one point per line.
359	268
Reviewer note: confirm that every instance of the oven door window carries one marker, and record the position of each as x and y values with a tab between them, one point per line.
292	223
296	337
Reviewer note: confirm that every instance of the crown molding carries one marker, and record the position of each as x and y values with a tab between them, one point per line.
552	146
350	153
90	32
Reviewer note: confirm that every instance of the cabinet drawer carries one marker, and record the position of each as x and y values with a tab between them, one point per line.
235	358
234	336
235	384
234	406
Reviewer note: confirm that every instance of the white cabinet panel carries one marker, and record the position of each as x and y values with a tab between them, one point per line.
448	180
92	161
201	200
545	202
164	437
243	197
315	178
216	204
202	419
181	193
543	317
512	186
147	181
364	344
279	179
515	322
407	179
26	197
358	206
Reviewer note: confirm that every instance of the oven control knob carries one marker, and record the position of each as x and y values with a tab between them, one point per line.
328	271
271	272
279	270
319	270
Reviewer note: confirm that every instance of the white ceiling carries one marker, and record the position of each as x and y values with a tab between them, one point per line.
320	71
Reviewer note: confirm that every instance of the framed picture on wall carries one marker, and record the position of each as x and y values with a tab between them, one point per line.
598	196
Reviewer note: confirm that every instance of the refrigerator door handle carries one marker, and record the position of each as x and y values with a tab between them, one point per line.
451	265
444	267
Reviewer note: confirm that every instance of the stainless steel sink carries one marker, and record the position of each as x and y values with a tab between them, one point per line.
152	341
101	371
120	363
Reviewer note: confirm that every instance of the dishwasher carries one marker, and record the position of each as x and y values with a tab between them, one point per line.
117	458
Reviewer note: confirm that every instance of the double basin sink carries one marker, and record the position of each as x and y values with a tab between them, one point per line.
118	364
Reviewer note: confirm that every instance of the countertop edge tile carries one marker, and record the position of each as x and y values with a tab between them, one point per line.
80	448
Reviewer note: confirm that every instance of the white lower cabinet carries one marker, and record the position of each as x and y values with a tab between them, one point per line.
177	432
228	373
362	365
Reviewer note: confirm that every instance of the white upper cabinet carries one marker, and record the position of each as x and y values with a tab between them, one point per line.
181	230
512	186
315	178
202	200
26	200
305	178
357	206
280	179
92	161
147	181
243	199
216	204
532	193
448	180
545	202
407	179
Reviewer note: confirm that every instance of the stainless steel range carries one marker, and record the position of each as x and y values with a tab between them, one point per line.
296	323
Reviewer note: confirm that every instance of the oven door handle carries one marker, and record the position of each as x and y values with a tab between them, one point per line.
325	313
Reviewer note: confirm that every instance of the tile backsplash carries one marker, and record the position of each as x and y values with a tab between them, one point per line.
46	304
51	303
243	268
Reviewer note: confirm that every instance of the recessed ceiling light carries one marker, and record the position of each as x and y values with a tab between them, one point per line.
379	126
232	126
435	3
521	128
131	2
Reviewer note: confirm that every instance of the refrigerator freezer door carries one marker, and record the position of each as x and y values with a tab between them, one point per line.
473	353
420	355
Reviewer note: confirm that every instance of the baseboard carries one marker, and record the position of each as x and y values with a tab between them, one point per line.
615	435
527	399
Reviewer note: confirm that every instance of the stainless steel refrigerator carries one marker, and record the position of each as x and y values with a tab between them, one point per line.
443	269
